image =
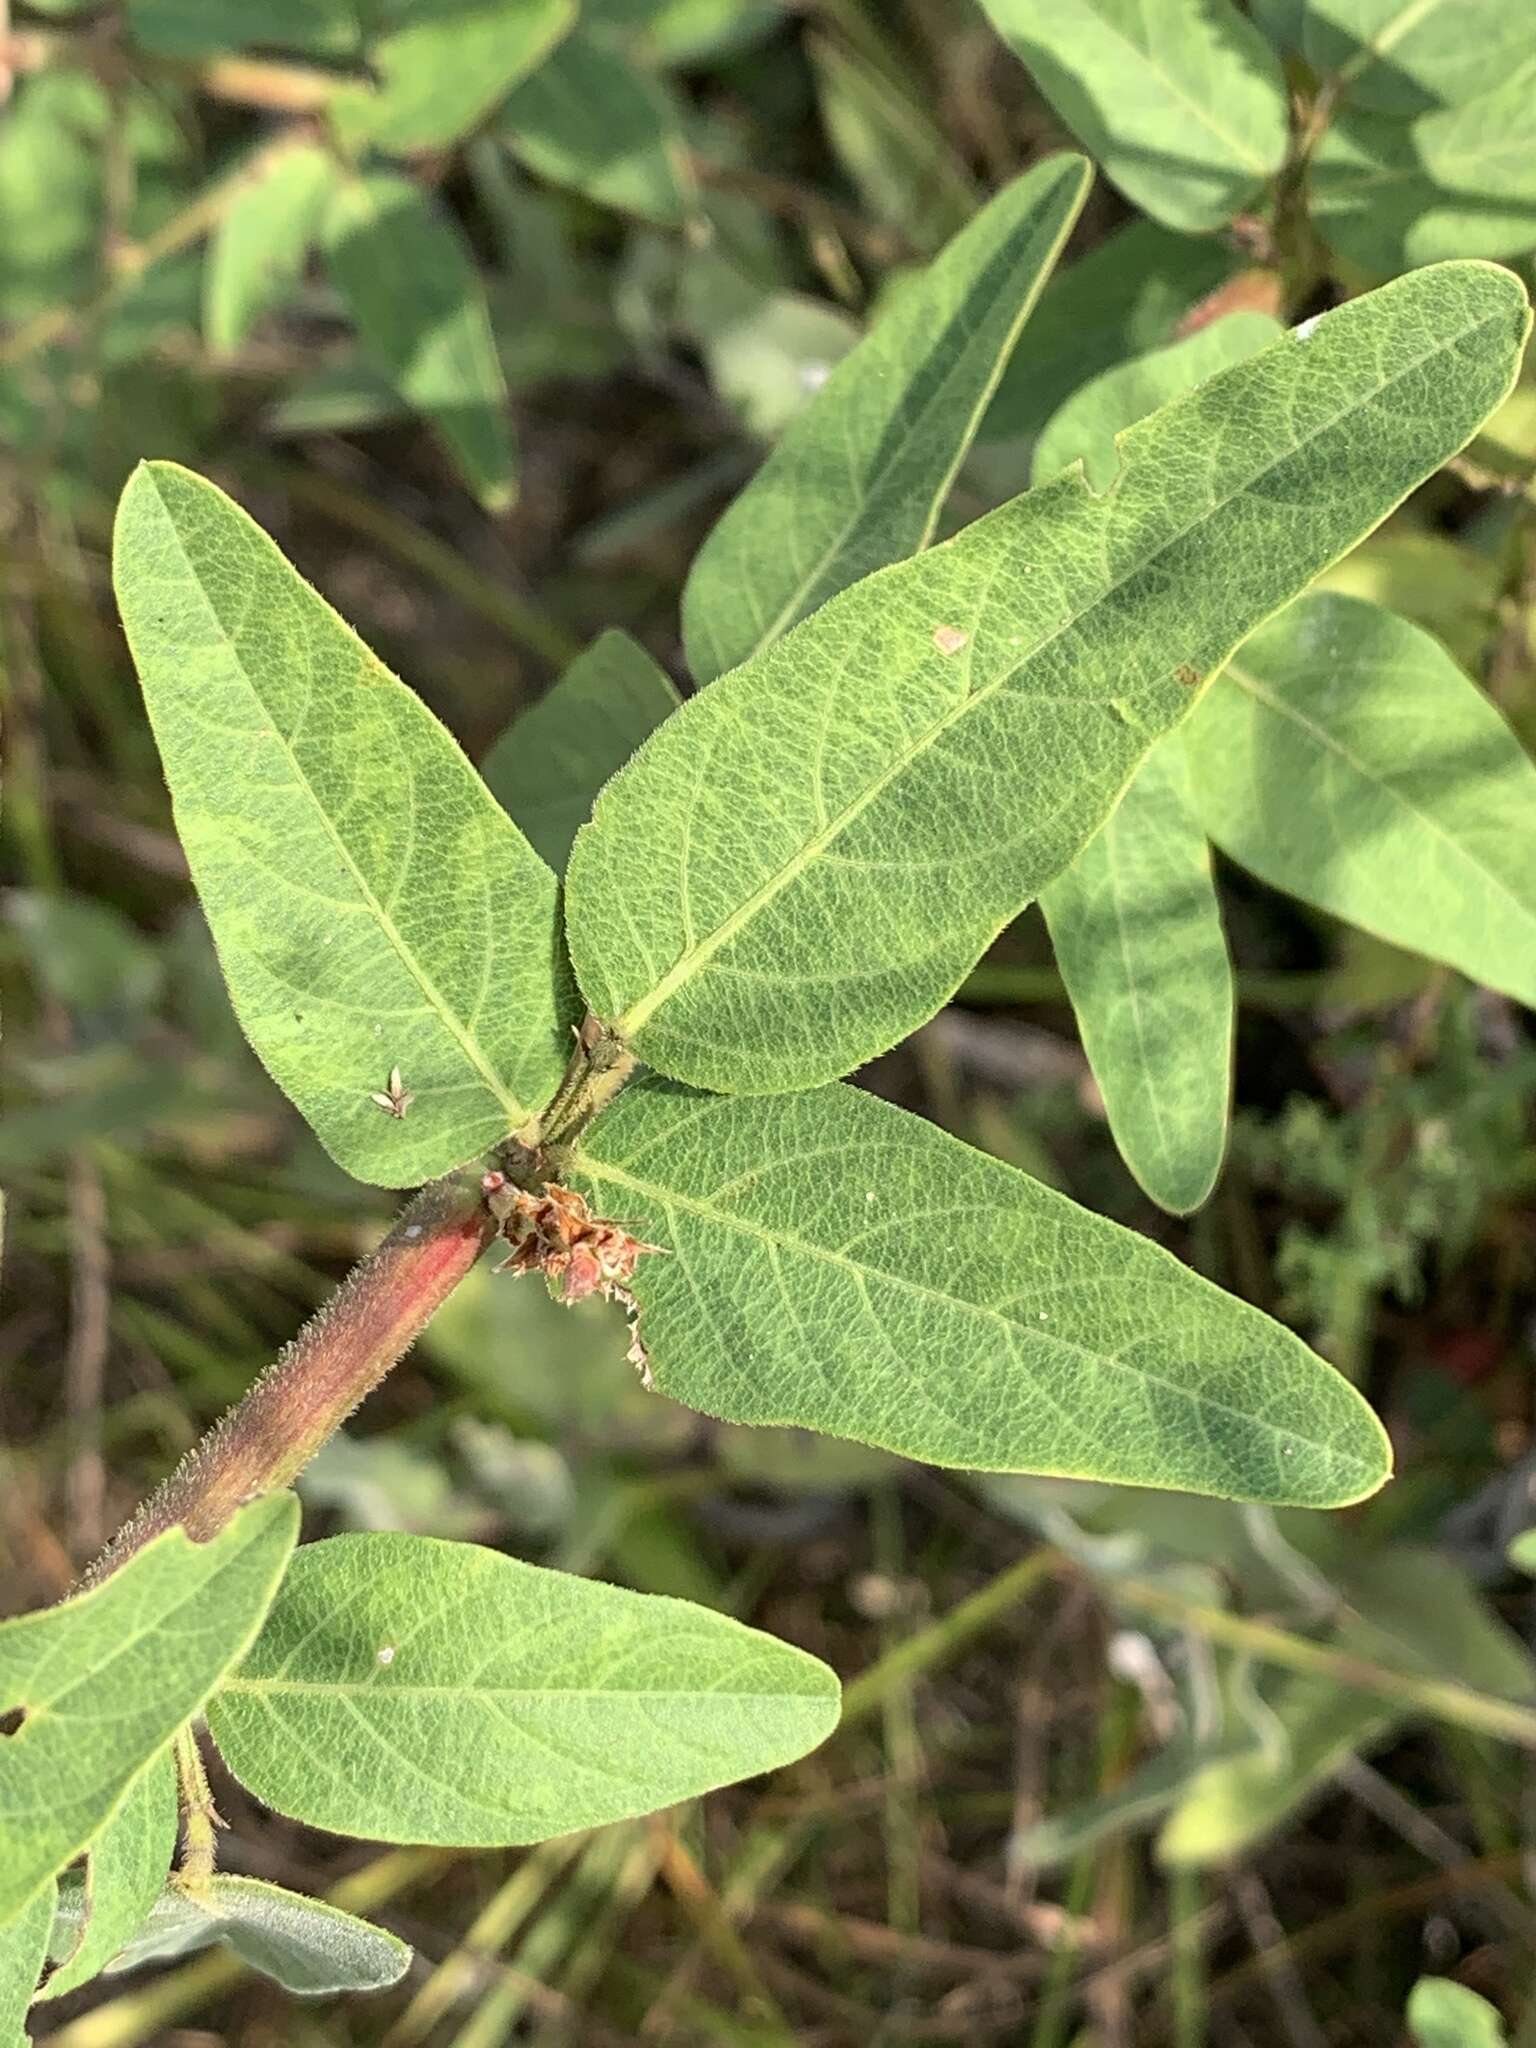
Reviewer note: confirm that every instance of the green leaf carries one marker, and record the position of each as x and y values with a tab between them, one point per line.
1084	429
1344	757
1403	56
805	860
443	66
898	160
307	1946
837	1264
23	1950
129	1860
206	28
1458	180
549	764
1522	1551
413	1690
106	1679
1134	920
1127	295
591	119
1182	101
1444	2014
860	478
1136	928
411	285
372	904
257	256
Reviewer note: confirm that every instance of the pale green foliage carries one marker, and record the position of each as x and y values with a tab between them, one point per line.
859	479
1457	180
841	1265
1445	2014
442	66
128	1863
1137	934
806	859
305	1945
1401	56
372	904
107	1678
549	764
1181	101
23	1946
421	1691
1344	757
1085	427
411	285
590	118
259	249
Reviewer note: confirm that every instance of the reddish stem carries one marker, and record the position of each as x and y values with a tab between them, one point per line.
340	1356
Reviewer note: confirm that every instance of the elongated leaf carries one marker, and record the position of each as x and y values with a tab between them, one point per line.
838	1264
443	65
1084	429
23	1947
1344	756
372	905
1445	2014
897	157
128	1863
1126	296
1458	180
308	1947
549	764
803	863
260	247
591	119
106	1679
420	1691
860	478
206	28
1134	920
1137	933
1182	101
414	291
1404	56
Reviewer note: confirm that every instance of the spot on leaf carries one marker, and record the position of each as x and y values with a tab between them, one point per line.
949	639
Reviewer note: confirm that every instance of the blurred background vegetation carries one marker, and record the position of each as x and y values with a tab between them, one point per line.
1118	1768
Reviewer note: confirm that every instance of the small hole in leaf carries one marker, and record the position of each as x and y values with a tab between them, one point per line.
11	1720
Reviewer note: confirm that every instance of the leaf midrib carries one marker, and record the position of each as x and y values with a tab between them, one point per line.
361	1689
786	1241
1181	98
634	1019
436	1003
1246	680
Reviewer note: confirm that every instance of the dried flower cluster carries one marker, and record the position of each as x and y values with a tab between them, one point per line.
554	1232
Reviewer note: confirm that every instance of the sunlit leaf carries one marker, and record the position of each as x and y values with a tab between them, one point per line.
104	1681
836	1263
1344	757
128	1863
23	1947
860	478
373	906
1404	56
441	67
1182	101
1445	2014
257	255
419	1691
805	860
549	764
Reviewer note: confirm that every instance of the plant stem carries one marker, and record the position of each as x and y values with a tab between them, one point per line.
337	1358
199	1817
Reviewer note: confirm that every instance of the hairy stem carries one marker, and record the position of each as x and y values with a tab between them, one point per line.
337	1358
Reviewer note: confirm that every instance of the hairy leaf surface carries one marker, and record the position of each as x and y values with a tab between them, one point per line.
860	477
803	863
23	1948
1344	756
128	1863
1136	929
839	1264
550	763
1182	101
372	904
106	1679
410	283
420	1691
